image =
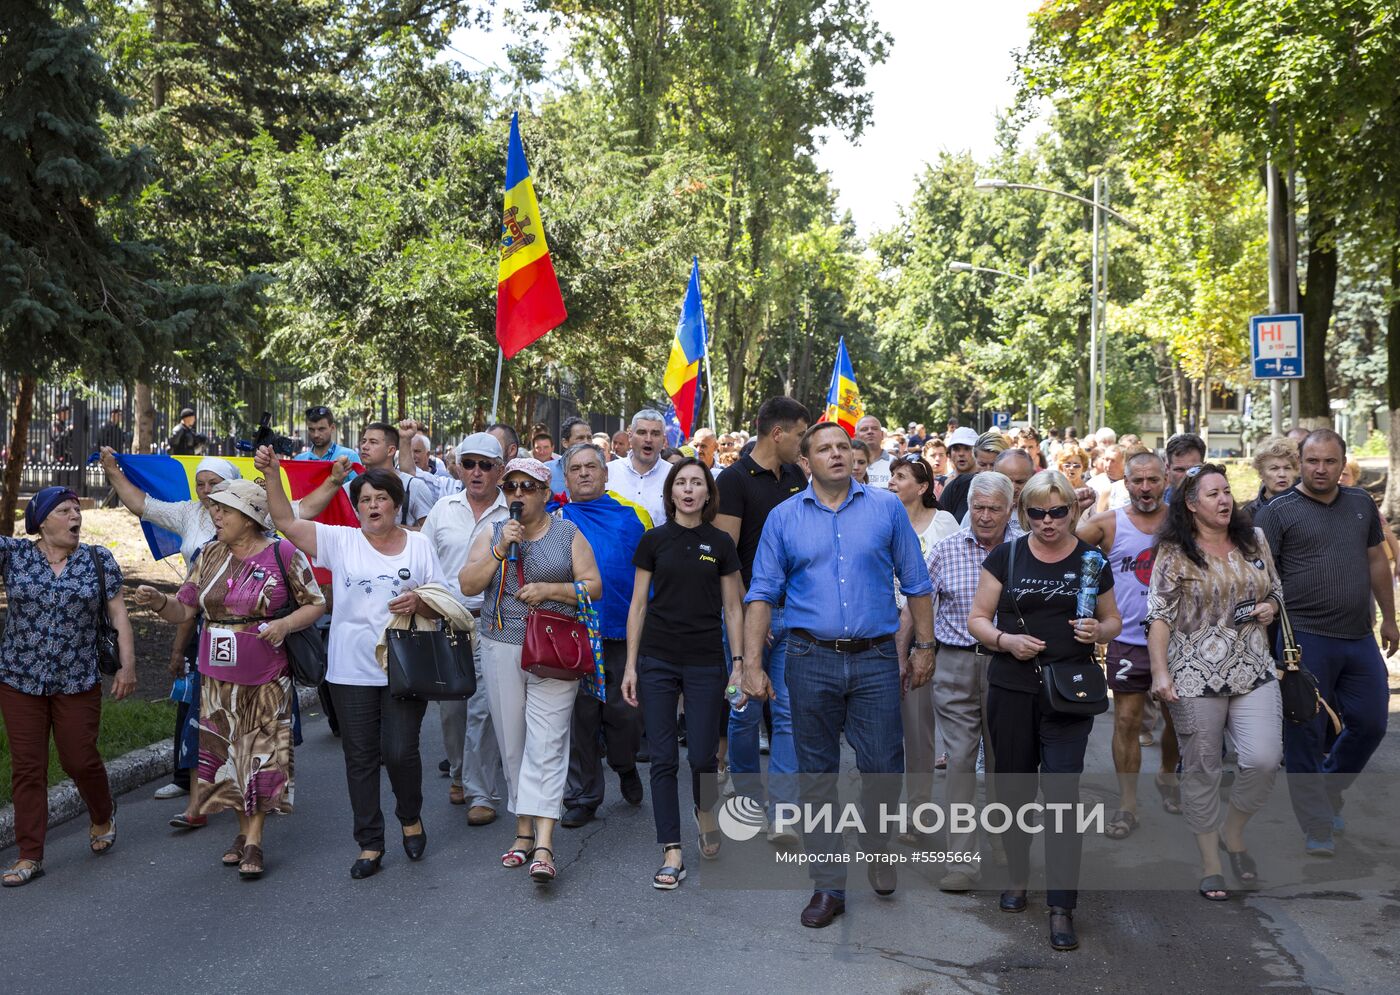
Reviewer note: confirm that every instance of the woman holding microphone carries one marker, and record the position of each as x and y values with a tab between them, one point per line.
687	585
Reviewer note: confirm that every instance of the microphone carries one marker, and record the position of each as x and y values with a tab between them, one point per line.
516	507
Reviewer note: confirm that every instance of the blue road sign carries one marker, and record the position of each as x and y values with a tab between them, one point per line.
1276	346
1001	419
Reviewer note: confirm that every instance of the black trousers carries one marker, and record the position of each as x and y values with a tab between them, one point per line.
376	728
1028	740
613	729
659	685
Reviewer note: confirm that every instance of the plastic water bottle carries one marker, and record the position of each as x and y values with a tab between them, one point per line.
734	695
1089	571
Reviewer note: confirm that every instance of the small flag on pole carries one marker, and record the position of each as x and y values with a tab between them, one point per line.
528	301
682	379
843	398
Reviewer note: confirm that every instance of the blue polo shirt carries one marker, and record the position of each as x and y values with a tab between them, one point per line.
334	453
837	568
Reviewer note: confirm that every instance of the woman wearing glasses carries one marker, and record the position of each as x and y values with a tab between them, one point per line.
1213	595
1027	738
532	715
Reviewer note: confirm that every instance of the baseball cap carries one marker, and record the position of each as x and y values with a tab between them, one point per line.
962	437
480	444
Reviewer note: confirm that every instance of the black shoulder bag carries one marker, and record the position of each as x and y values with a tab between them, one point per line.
1296	684
1075	689
108	656
306	650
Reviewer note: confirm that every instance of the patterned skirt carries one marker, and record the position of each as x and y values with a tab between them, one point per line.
245	746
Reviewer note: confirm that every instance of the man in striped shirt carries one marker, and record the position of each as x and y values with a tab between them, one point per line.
1321	534
960	679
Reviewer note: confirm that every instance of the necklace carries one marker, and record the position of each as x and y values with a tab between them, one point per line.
51	562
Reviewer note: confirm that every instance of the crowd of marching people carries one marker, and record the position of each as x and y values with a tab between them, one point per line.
957	601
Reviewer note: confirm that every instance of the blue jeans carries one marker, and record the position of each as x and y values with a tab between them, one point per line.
856	694
744	726
1352	677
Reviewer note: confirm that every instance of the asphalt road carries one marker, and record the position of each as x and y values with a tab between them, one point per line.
159	914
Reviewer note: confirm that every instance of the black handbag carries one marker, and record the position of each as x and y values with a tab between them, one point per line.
109	659
305	648
1076	688
1296	684
432	664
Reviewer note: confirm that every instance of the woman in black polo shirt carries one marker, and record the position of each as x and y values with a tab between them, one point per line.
1036	623
690	570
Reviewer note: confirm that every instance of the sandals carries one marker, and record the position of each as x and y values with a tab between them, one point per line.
250	867
1171	795
542	871
709	841
17	876
668	878
1242	865
233	856
1122	824
516	857
101	843
1212	888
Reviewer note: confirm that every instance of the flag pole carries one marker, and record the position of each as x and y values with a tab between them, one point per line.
705	329
496	394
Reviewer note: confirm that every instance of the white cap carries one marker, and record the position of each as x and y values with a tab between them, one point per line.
480	444
962	437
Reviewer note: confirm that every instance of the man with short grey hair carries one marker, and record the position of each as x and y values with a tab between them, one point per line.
872	433
960	679
640	476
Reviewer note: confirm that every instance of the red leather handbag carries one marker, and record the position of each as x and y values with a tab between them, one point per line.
555	645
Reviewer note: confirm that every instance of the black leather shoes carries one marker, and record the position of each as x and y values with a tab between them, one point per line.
576	817
365	867
882	878
821	910
1062	929
631	786
1013	901
414	846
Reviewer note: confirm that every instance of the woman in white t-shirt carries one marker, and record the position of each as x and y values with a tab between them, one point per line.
374	570
911	480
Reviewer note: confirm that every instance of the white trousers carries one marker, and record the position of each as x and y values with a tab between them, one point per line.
532	716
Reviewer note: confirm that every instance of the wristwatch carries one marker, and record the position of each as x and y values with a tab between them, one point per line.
737	657
931	644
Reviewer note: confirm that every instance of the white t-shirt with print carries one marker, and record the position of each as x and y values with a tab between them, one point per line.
365	582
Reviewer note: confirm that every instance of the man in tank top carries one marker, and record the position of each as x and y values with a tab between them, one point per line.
1126	536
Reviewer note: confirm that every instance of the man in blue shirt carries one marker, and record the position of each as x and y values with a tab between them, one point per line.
832	553
320	436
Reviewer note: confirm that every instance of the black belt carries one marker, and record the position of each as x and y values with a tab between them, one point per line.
844	645
975	648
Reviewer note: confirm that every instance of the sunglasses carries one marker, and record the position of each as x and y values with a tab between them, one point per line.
472	464
317	413
522	486
1040	514
1072	466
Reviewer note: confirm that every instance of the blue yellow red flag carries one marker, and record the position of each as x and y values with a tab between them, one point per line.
528	301
843	397
682	378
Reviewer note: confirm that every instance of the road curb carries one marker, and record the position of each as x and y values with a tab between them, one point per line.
128	771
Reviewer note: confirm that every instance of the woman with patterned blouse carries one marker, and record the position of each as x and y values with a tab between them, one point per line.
49	683
244	583
1213	594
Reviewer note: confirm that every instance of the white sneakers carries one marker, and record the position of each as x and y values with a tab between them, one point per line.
171	791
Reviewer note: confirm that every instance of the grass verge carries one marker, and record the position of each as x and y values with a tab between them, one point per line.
126	725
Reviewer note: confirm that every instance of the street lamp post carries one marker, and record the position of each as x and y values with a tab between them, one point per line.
1098	294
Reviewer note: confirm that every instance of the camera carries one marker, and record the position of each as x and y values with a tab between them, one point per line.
281	445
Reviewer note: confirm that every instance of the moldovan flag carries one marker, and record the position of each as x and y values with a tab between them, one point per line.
171	478
843	398
528	302
682	379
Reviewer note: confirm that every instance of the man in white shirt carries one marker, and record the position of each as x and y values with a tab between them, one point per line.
474	759
640	476
872	433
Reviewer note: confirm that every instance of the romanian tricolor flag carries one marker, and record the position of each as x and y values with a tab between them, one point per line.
528	302
843	397
171	478
682	379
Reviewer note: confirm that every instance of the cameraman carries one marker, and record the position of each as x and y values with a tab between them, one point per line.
321	435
